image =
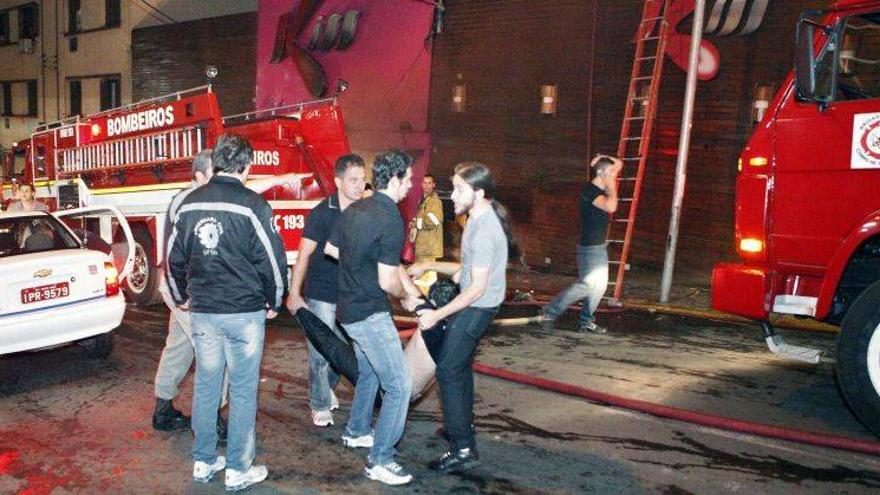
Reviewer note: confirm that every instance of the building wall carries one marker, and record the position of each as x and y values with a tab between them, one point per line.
173	57
102	52
503	51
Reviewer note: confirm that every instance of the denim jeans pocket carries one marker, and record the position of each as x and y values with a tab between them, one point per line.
477	321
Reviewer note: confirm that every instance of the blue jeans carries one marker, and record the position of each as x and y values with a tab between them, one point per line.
380	364
455	373
322	378
592	281
221	340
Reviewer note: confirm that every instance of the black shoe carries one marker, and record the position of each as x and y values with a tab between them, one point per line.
166	418
222	430
591	327
456	462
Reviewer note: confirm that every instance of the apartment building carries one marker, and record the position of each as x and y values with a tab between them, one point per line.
60	58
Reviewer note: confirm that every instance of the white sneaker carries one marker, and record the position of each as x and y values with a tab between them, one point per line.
203	472
364	441
322	418
390	474
239	480
334	401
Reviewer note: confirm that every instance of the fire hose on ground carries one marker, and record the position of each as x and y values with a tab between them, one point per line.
406	327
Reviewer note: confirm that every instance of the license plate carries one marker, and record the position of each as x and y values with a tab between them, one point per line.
44	293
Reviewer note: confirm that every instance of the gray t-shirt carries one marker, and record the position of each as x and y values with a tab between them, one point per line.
38	206
484	245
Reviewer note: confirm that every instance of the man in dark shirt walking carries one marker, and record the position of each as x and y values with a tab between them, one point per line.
368	244
321	276
598	202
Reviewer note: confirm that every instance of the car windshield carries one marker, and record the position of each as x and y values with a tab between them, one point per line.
32	234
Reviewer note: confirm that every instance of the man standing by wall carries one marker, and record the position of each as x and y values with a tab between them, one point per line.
227	266
598	201
485	245
321	276
427	227
369	241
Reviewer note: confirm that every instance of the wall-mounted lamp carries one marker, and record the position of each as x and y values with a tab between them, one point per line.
763	95
549	95
459	98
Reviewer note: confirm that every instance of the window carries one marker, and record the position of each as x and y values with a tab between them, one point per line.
4	28
859	59
110	93
7	99
112	13
32	97
28	21
19	98
75	97
72	16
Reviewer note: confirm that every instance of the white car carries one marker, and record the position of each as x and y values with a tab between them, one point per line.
54	289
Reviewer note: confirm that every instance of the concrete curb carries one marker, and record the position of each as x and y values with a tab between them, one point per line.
778	321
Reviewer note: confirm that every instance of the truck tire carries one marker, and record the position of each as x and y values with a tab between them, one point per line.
99	346
858	358
142	285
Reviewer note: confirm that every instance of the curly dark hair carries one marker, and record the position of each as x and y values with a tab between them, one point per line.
442	292
232	154
391	163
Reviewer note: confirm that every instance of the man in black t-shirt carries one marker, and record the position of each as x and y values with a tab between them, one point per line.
368	244
598	201
321	276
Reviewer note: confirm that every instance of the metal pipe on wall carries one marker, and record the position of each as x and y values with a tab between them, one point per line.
683	147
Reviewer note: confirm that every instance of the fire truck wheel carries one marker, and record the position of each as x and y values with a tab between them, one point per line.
858	358
142	286
99	346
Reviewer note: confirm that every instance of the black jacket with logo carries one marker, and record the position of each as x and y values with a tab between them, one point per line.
224	255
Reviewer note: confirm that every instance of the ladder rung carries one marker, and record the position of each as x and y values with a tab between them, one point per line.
638	138
652	38
650	19
622	220
636	118
646	58
639	98
625	200
631	158
642	78
616	241
627	178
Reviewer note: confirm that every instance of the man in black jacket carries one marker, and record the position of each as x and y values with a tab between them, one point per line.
227	266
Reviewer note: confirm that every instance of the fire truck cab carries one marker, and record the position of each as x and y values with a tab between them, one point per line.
136	158
807	220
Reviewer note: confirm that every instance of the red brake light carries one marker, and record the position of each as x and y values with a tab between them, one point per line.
111	279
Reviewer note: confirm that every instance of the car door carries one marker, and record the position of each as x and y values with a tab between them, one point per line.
103	228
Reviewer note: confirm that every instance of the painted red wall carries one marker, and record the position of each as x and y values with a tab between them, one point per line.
388	67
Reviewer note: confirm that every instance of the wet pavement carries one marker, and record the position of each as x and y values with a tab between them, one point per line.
71	424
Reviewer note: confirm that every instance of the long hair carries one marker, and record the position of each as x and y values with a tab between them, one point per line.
478	176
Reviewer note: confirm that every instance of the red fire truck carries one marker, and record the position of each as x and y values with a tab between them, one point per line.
137	157
808	201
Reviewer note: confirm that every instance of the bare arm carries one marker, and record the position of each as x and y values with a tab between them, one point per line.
479	282
609	201
294	181
448	268
389	280
307	247
331	250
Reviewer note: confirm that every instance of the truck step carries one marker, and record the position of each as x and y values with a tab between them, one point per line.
778	346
